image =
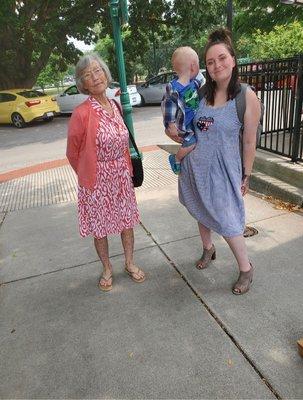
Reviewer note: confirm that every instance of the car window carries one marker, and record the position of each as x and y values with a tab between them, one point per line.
72	90
4	97
156	80
29	94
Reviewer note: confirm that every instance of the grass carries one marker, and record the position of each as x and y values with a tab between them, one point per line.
55	91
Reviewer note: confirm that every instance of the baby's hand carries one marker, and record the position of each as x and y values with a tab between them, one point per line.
172	132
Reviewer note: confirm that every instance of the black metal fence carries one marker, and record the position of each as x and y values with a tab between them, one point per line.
279	85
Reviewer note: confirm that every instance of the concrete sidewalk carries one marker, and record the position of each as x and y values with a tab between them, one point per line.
179	335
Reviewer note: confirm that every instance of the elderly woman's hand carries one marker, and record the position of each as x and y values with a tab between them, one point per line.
172	132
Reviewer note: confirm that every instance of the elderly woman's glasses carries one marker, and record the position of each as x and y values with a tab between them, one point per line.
91	74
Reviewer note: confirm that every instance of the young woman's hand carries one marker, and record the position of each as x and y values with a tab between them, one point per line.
172	132
245	185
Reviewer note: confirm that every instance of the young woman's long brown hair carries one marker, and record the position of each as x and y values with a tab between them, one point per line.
220	36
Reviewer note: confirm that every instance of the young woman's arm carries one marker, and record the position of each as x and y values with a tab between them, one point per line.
251	122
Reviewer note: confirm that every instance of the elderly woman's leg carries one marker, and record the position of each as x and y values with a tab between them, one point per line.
135	273
209	251
238	247
106	280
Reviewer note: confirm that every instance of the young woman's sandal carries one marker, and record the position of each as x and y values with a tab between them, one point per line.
133	274
107	284
206	258
244	281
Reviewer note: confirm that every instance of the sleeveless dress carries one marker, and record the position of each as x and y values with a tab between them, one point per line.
111	206
210	179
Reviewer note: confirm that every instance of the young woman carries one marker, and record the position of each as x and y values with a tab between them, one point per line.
213	181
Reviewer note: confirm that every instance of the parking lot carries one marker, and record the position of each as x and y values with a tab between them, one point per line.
46	141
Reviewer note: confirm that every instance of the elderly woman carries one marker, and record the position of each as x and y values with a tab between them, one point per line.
97	149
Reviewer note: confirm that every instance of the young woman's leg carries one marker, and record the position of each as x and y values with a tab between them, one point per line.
205	234
127	237
209	251
101	246
238	247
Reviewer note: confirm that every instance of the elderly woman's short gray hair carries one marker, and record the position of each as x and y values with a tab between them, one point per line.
83	63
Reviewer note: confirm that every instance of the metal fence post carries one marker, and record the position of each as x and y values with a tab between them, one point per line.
298	111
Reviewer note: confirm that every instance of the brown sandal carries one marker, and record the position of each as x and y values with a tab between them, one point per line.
206	258
244	281
105	287
133	273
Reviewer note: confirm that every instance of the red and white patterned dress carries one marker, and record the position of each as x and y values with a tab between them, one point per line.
111	206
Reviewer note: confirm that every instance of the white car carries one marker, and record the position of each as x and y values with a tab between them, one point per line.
71	97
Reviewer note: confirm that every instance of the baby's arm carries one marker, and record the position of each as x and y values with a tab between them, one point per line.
169	107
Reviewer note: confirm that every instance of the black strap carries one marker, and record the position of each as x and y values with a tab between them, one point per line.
241	103
132	139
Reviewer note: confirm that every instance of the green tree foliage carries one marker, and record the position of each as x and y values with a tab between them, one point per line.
157	27
32	30
251	15
52	73
283	41
197	17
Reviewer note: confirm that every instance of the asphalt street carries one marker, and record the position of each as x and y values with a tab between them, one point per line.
41	141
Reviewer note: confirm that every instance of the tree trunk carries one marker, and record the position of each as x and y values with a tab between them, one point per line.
10	82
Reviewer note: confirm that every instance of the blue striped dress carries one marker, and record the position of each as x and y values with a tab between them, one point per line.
210	179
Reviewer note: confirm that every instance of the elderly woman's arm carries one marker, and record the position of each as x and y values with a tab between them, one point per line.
74	138
251	121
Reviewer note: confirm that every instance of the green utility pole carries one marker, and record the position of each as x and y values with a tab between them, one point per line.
119	16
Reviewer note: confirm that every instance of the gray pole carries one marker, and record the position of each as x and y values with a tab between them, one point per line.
229	12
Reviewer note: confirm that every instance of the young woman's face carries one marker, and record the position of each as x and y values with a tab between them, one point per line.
219	63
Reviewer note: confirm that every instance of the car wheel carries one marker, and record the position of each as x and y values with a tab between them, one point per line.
142	101
48	119
18	120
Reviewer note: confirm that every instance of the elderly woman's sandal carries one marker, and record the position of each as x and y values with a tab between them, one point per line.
244	281
107	283
206	258
134	274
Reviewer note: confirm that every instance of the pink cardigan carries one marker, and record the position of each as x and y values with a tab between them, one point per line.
81	144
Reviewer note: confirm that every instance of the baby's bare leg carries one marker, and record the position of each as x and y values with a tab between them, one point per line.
183	151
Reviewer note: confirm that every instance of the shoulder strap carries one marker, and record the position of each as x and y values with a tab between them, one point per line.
201	92
197	84
241	102
129	132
